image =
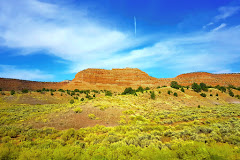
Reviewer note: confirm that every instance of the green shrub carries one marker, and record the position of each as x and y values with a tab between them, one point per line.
196	87
175	94
211	95
12	92
71	101
72	93
175	85
140	89
24	90
128	90
61	90
204	87
108	93
147	88
231	93
217	94
82	99
153	96
78	110
52	94
169	92
203	94
182	89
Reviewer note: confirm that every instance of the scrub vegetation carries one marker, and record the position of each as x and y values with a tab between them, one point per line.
176	122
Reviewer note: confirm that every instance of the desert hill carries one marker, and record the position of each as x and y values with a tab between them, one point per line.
119	79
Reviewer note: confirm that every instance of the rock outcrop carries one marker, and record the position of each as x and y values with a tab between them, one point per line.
119	79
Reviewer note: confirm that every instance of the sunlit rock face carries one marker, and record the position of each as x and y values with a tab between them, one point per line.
119	79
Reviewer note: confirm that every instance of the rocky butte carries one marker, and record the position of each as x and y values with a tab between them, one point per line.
119	79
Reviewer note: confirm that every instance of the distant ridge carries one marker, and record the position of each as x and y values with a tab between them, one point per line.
119	79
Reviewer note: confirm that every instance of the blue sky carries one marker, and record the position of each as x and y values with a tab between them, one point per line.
52	40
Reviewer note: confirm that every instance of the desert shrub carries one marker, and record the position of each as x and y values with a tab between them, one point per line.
204	87
68	92
82	99
217	94
94	95
75	97
182	89
140	89
2	93
147	88
237	96
203	94
0	89
175	94
196	87
38	90
95	91
78	110
76	90
72	93
12	92
52	94
61	90
108	93
175	85
92	116
169	92
230	92
24	90
128	90
71	101
198	106
52	90
153	96
211	95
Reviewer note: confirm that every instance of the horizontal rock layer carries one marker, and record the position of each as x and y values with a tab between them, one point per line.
119	79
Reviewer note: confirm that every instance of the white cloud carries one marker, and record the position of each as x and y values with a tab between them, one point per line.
9	71
226	12
209	24
87	43
72	35
208	51
219	27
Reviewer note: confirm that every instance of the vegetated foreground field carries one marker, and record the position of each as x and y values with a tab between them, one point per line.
158	123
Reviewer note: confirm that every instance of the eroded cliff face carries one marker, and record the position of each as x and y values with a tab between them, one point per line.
15	84
114	79
119	79
209	79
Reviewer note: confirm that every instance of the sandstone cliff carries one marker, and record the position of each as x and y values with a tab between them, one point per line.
119	79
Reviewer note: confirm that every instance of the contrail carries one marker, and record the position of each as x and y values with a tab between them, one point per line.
135	25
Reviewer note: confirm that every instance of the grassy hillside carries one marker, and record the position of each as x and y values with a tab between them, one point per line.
159	123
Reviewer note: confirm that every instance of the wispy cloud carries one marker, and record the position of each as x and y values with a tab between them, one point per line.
9	71
87	43
208	51
219	27
226	12
72	35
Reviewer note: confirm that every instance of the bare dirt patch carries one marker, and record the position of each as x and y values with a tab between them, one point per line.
108	117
